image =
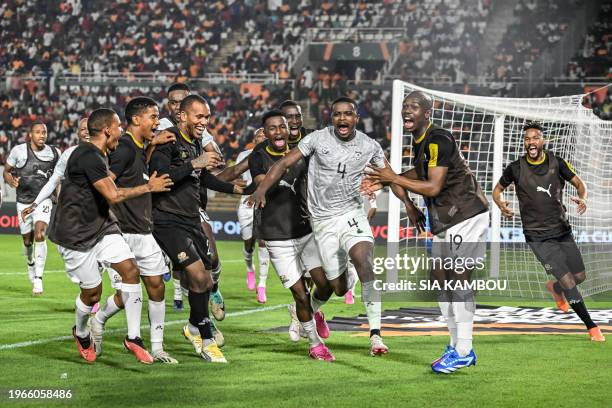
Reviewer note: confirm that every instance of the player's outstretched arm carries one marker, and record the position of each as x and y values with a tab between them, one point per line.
580	200
231	173
114	195
436	176
258	199
504	206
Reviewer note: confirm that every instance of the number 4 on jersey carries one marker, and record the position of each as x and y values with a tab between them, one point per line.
353	223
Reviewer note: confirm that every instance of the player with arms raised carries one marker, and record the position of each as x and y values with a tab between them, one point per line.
539	177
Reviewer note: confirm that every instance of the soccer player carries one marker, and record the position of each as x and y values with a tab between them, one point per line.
458	213
539	178
338	156
86	232
176	93
284	225
27	169
293	112
128	168
245	218
176	218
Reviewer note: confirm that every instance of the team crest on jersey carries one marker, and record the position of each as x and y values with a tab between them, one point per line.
182	256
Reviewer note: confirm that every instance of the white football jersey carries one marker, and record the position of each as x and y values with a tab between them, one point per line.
336	169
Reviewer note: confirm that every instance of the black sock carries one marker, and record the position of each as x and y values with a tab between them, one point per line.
557	288
199	316
215	287
583	313
574	298
374	331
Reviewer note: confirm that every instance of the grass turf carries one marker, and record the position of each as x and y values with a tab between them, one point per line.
266	369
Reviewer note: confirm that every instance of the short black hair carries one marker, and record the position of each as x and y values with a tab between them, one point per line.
271	114
425	100
137	106
533	125
345	99
37	122
178	87
99	119
190	100
289	102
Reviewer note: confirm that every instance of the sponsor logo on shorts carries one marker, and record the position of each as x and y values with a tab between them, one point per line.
182	256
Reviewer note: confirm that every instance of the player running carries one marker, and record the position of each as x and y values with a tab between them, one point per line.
176	218
86	233
54	181
539	178
284	225
458	214
245	218
338	157
27	169
128	168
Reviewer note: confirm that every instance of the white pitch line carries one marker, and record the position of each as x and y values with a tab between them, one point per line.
170	323
63	271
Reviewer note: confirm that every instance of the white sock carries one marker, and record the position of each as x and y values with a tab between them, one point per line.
28	252
464	309
447	311
114	277
107	311
216	273
157	316
41	258
373	309
263	257
178	293
131	294
310	328
82	312
353	273
316	303
248	259
193	330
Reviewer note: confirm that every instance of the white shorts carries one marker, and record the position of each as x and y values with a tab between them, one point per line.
293	257
245	218
148	254
41	213
83	265
336	236
468	239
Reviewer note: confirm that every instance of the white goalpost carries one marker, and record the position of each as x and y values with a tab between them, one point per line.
489	134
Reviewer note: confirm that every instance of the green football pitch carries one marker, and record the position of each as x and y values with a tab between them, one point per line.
265	368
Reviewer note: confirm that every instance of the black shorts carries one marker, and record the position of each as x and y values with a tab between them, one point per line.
183	244
558	255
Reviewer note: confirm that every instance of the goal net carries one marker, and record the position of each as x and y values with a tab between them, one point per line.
489	134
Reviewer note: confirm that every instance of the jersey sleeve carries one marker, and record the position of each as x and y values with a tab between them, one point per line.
439	151
93	166
164	123
307	145
566	171
256	164
121	158
13	157
378	159
507	177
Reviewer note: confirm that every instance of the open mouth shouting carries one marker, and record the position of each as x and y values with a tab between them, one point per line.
409	123
279	142
343	129
533	151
